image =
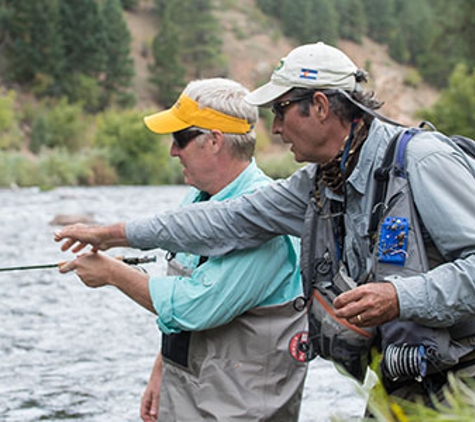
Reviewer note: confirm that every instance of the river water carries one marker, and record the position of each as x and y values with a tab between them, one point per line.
70	353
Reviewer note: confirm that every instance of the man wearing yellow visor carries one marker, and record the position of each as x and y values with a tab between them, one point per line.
230	327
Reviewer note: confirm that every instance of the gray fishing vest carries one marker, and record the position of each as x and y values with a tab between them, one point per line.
325	277
401	248
404	248
248	369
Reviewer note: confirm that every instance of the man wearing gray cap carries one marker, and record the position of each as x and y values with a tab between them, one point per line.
412	276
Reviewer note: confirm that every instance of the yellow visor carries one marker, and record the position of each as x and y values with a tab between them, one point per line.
186	112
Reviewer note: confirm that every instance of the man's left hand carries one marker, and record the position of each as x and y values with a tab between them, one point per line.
368	305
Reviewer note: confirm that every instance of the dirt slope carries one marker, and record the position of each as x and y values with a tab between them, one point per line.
143	26
253	45
387	80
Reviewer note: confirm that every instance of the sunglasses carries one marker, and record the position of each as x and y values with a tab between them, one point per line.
279	107
183	137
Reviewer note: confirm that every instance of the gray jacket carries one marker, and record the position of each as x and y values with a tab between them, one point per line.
442	183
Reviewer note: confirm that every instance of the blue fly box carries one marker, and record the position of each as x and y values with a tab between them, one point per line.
393	240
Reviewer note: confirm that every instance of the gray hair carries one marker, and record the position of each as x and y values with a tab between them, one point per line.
227	96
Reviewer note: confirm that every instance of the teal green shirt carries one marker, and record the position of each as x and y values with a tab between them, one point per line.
224	287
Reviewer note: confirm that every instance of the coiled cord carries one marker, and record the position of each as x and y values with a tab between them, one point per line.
403	362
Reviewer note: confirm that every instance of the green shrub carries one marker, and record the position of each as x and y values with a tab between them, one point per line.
129	4
278	167
99	170
7	112
263	141
58	124
239	32
41	135
137	155
11	139
266	115
368	66
412	78
10	134
83	89
57	167
453	111
43	85
16	169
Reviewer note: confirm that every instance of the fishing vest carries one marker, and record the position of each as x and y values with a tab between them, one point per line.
325	277
401	247
247	369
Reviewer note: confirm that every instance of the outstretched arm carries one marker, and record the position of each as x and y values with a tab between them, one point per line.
214	229
211	228
78	236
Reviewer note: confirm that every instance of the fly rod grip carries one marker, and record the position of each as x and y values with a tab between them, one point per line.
136	260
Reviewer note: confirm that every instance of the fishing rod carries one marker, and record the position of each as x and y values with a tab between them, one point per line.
134	260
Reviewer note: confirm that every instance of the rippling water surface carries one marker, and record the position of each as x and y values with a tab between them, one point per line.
70	353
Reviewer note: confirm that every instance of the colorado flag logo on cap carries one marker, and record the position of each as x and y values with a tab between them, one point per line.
308	74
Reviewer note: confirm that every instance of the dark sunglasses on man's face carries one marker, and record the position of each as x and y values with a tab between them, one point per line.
183	137
279	107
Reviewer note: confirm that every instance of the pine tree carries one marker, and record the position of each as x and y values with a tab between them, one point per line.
381	19
129	4
452	43
352	19
271	7
119	65
398	49
415	27
326	21
35	47
298	20
467	30
82	29
201	43
161	6
168	72
5	22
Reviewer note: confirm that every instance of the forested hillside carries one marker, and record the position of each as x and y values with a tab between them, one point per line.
78	76
433	35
